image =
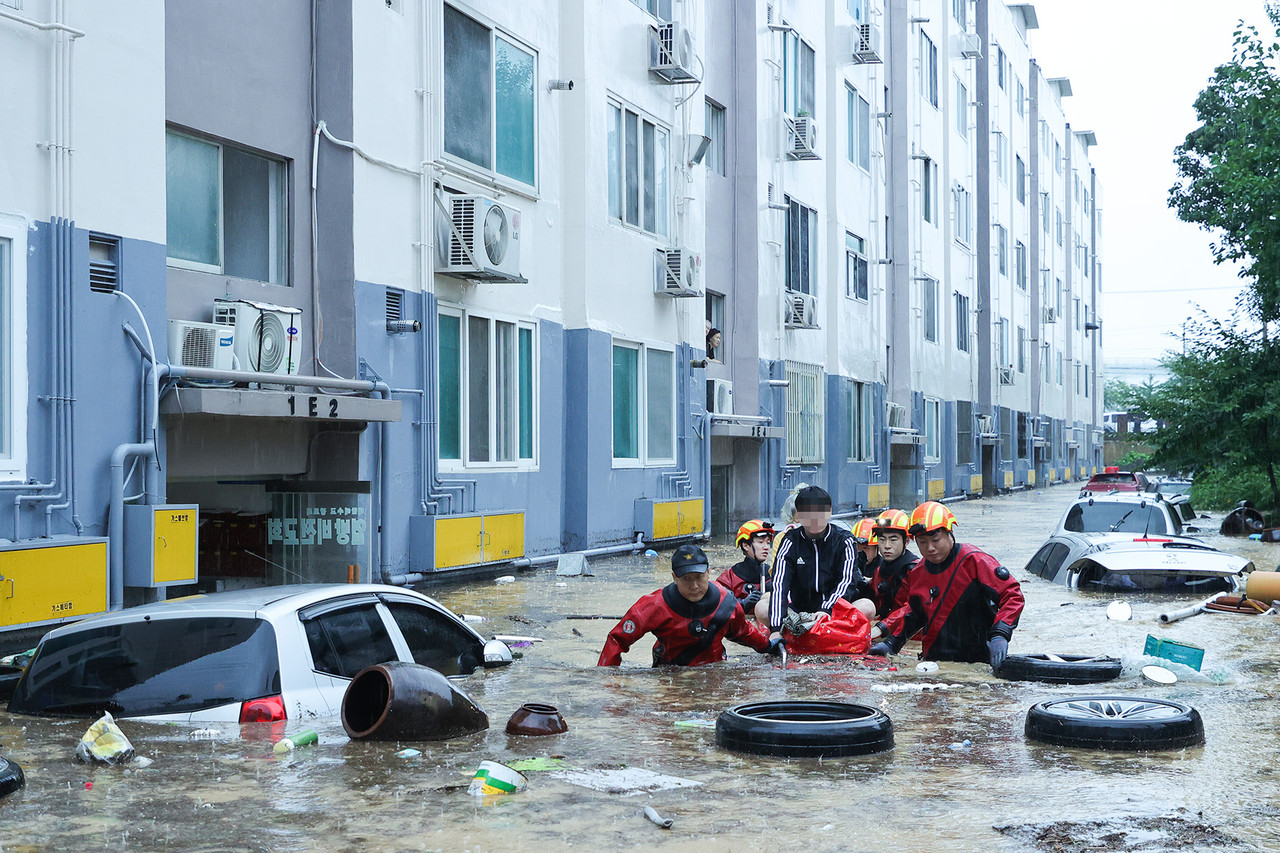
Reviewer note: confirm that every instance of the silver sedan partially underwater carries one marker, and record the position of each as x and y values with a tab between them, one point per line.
251	655
1113	562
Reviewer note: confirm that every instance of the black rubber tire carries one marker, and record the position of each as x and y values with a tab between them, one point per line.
9	676
804	729
11	778
1072	669
1115	722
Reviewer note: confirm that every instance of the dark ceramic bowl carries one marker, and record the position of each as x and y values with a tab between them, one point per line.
534	718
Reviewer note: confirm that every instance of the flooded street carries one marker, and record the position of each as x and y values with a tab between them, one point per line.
224	789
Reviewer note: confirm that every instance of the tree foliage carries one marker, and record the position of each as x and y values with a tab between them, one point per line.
1221	404
1229	166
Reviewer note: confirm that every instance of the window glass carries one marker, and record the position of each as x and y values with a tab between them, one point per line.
6	342
857	10
193	200
1020	179
798	69
343	642
928	69
1048	560
436	640
964	432
626	402
660	160
650	218
804	413
802	227
505	378
253	189
962	322
716	152
615	161
1022	349
861	417
631	125
929	286
932	429
468	94
929	190
1104	517
855	266
660	402
526	393
159	666
514	110
450	366
478	388
962	110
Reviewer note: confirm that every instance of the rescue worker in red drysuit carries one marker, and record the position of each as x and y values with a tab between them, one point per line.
690	617
746	579
888	582
961	602
864	536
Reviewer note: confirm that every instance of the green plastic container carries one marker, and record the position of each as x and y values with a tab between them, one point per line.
1183	653
302	738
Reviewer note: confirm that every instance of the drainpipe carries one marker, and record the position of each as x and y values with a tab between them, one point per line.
706	471
529	562
115	531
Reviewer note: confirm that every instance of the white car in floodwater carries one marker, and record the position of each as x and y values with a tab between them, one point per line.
1125	562
249	655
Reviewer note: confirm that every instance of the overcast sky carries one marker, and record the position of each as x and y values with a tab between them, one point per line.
1136	67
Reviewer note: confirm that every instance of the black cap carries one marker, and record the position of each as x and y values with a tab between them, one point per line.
813	497
688	559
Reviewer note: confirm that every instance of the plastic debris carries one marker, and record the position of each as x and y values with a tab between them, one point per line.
917	688
104	743
472	618
409	753
141	761
695	724
571	565
1119	611
624	780
652	814
926	666
1159	675
302	738
205	734
505	579
541	764
561	583
513	638
650	553
965	745
495	778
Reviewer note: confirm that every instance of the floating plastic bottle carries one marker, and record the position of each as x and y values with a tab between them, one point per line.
303	738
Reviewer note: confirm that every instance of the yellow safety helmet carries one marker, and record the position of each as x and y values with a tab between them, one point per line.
931	516
865	531
751	528
894	520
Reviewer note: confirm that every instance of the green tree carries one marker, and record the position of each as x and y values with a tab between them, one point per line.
1229	167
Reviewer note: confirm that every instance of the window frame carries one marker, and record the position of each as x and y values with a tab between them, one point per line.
855	258
805	427
929	320
962	209
858	128
618	170
928	69
13	339
932	430
929	190
861	423
961	306
794	275
961	108
644	459
794	102
1020	265
1002	249
464	463
717	152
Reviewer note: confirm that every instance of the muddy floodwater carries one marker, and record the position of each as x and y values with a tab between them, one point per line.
961	777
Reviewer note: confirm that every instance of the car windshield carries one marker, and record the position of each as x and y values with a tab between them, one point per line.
158	666
1173	582
1101	517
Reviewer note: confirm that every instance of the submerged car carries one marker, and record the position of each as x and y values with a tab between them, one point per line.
250	655
1123	562
1124	513
1112	479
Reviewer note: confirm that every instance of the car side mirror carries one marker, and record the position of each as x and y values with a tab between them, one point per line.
496	653
1191	528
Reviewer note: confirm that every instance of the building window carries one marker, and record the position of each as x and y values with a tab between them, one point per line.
857	11
929	301
13	348
932	430
1057	224
1002	157
488	389
855	267
964	432
1002	249
1020	178
1057	157
962	110
1077	306
862	422
802	247
797	75
1002	343
1059	355
1020	265
638	158
1058	298
716	151
929	190
226	210
959	11
660	9
1022	349
928	69
1000	66
962	322
1021	105
805	418
1022	437
859	129
961	207
490	115
644	405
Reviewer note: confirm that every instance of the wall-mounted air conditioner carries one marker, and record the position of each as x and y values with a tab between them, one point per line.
986	425
800	310
1050	315
866	46
1006	375
194	344
802	138
671	56
971	45
720	396
677	272
478	238
267	337
897	416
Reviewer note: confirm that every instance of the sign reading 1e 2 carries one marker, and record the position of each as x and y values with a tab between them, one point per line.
313	407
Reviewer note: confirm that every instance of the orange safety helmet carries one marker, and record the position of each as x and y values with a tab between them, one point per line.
865	531
894	520
751	528
931	516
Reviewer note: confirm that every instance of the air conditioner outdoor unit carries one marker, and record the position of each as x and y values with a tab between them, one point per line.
194	344
802	136
897	414
971	46
671	55
986	425
1006	375
478	239
866	46
720	396
677	272
1050	315
267	338
801	310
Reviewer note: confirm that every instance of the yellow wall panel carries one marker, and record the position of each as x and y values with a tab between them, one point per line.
175	546
666	519
937	489
503	536
1008	479
1031	478
42	584
691	516
458	541
878	495
975	482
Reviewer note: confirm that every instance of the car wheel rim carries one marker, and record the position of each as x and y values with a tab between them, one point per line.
1116	709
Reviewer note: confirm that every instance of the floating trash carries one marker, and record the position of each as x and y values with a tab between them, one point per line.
505	579
409	753
302	738
1159	675
965	744
104	743
540	764
472	618
652	814
624	780
1119	611
926	666
495	778
571	565
695	724
651	553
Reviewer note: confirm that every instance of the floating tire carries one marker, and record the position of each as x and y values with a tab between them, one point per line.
801	729
9	676
1115	722
11	778
1060	669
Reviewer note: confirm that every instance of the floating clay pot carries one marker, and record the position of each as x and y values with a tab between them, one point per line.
534	718
407	701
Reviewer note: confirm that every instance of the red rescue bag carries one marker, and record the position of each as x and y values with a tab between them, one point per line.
845	632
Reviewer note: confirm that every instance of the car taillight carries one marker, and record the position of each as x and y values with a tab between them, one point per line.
265	709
